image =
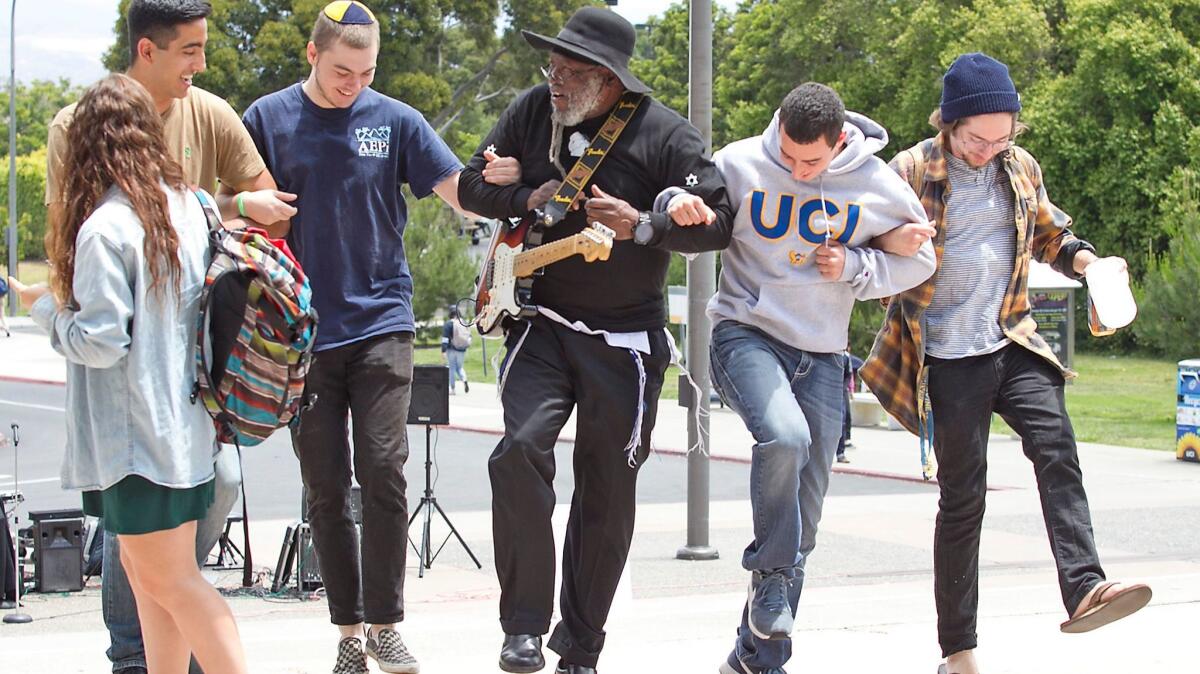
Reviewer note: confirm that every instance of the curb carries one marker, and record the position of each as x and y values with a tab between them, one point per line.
670	451
30	380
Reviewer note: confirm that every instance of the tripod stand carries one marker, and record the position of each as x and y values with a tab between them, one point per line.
429	504
17	616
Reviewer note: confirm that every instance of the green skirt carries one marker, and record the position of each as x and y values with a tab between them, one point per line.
136	505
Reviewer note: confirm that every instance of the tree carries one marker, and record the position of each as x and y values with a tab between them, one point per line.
37	103
662	59
445	57
1111	131
442	269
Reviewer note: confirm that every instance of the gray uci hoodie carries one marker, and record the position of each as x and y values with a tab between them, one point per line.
769	277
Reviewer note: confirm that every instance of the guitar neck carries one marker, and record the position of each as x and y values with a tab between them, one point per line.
528	262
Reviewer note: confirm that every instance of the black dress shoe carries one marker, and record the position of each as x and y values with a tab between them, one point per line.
522	653
564	668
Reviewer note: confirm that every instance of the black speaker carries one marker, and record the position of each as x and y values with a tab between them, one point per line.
308	566
58	550
430	402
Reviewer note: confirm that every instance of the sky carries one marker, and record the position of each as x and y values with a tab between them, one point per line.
66	38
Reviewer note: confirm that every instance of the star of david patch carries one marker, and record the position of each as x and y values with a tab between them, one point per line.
691	180
491	148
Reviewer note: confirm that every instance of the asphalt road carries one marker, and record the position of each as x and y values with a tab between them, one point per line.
273	476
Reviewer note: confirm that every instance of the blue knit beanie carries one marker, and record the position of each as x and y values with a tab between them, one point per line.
977	84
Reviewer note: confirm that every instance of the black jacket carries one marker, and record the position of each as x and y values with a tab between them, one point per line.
657	150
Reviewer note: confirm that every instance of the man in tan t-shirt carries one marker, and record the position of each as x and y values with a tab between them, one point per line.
205	135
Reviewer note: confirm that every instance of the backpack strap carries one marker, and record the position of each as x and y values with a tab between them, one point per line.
247	556
919	155
212	214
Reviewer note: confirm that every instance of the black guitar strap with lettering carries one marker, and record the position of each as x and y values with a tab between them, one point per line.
577	179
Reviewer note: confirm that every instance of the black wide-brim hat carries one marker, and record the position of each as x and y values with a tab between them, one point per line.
597	35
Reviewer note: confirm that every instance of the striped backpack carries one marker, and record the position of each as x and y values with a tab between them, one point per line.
256	333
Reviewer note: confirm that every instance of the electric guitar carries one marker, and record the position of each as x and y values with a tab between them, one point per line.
505	284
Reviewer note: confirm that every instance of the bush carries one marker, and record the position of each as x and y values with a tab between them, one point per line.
865	321
1169	295
31	209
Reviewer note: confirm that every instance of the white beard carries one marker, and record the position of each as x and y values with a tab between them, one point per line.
581	103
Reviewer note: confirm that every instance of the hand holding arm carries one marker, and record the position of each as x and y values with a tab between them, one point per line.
687	209
904	240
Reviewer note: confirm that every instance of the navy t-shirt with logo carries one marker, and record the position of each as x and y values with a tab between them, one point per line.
347	166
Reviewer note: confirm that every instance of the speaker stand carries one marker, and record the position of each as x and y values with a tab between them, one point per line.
229	555
425	553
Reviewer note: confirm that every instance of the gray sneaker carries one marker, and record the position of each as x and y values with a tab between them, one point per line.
734	665
350	658
389	651
770	613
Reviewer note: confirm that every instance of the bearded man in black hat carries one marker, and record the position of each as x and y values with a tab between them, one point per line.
598	341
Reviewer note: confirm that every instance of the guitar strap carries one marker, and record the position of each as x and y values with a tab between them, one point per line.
577	179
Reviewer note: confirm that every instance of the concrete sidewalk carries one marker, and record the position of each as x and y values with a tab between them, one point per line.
853	620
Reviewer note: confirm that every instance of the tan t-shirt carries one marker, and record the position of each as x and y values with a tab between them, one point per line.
203	134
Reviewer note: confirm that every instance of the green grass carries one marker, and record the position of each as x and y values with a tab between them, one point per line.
1117	400
1121	400
28	272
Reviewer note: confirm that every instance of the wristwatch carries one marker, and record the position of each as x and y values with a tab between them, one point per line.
643	231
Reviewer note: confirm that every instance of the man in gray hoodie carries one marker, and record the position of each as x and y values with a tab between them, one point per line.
809	195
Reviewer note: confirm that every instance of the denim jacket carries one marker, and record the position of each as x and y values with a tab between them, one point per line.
131	353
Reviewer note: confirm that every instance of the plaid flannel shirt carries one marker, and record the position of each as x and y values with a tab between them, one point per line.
895	369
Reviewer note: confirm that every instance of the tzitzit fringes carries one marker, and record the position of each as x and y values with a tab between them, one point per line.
636	437
502	373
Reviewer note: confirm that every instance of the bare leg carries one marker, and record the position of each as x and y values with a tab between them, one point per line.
164	564
166	649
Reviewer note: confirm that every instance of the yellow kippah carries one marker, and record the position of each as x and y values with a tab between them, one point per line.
349	12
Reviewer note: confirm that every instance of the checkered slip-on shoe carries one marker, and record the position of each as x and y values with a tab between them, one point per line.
389	651
350	657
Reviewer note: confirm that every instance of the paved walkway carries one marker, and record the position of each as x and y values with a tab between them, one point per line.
863	622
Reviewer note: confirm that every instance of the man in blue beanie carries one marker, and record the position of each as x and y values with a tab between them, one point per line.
969	349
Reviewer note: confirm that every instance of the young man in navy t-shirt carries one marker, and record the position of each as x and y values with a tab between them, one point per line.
346	150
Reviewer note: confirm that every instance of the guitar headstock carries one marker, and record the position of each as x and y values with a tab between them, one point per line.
595	242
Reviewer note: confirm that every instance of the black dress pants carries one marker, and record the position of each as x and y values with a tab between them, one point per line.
554	370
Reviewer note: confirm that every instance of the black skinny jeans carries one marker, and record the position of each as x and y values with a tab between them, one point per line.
369	381
1027	392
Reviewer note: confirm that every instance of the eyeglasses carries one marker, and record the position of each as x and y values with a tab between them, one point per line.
981	145
563	74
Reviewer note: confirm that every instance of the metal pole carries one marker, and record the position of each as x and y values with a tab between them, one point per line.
701	282
12	155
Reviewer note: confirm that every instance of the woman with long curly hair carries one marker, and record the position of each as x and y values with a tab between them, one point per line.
129	254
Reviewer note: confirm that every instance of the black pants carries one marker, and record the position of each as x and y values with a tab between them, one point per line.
555	370
370	380
1027	392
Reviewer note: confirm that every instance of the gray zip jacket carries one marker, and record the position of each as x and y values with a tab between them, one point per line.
131	353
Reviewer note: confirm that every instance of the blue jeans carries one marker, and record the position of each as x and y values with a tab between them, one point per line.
455	358
117	602
792	403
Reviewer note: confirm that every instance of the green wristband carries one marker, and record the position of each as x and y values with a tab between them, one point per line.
241	204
